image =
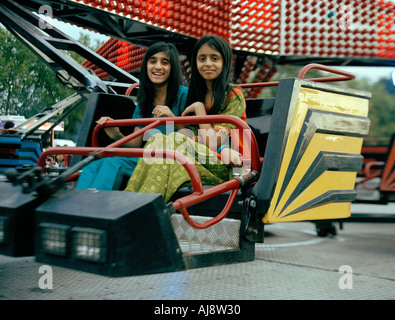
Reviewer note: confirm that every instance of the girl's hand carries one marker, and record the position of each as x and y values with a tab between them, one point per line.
162	111
196	108
231	157
103	120
113	132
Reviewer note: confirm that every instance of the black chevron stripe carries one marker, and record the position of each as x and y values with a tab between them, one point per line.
325	161
323	122
325	198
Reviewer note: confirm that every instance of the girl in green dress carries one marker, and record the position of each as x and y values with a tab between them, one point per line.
210	93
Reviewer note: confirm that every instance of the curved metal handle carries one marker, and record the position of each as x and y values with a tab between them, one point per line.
187	163
130	89
150	123
214	220
371	175
232	185
345	76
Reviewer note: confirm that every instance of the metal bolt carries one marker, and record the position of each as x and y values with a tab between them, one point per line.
252	231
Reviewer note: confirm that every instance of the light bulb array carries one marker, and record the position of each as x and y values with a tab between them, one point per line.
300	27
307	28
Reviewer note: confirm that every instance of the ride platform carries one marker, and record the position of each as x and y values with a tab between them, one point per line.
292	264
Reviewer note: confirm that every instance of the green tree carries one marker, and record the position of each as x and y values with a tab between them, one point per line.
17	87
382	110
381	105
28	85
72	122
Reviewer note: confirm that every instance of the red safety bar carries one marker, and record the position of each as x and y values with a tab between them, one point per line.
198	194
130	89
182	203
369	174
131	152
151	123
345	76
218	218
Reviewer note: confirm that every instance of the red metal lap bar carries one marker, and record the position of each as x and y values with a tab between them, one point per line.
132	152
151	123
345	76
181	204
198	194
233	185
214	220
184	202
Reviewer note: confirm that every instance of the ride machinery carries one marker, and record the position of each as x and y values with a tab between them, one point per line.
305	142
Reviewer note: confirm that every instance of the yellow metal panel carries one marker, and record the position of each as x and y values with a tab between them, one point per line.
334	210
334	102
329	180
280	208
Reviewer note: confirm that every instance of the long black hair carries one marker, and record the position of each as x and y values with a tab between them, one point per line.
221	85
146	93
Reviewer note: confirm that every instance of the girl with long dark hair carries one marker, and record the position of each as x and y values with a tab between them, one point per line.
160	95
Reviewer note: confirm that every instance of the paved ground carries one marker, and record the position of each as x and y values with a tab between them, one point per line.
292	264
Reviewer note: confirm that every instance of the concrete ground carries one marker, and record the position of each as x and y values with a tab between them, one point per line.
293	264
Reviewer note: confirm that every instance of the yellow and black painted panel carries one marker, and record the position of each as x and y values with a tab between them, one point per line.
313	152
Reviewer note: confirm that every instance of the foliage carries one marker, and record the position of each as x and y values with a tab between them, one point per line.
382	109
381	105
28	85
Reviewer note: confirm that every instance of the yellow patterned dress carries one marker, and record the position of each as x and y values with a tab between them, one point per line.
165	176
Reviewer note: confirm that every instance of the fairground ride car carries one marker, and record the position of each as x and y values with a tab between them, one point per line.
305	154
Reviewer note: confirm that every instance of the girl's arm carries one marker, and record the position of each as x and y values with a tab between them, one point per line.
231	157
235	106
212	138
165	111
115	134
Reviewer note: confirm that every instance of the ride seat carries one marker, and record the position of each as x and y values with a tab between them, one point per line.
99	105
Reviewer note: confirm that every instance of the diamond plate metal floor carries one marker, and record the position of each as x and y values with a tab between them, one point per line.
292	264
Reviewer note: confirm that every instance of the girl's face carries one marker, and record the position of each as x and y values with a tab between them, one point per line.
158	68
59	157
209	62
